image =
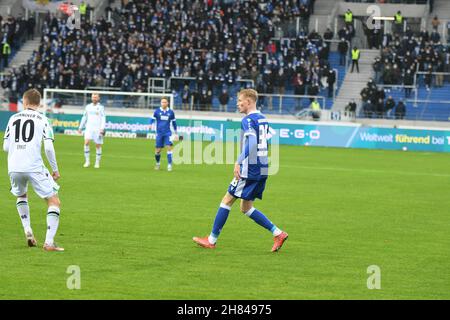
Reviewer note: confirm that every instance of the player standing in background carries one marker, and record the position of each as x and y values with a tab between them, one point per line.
250	174
23	141
165	122
94	119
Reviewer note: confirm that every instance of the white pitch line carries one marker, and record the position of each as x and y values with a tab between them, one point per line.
372	171
298	167
105	156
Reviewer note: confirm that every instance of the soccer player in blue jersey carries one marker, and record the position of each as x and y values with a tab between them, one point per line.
165	123
250	174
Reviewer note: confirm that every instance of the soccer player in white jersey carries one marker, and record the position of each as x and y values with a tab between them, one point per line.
23	140
93	121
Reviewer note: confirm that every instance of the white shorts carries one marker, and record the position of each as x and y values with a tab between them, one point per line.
42	182
93	135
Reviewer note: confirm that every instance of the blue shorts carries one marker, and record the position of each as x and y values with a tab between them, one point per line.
247	189
163	140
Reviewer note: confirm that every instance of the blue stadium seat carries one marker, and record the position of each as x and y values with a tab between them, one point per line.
290	105
427	111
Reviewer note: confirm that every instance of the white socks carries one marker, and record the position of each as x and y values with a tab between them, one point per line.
52	224
98	155
52	219
276	232
212	239
24	213
86	153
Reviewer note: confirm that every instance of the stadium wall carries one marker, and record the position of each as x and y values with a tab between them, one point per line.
386	9
301	133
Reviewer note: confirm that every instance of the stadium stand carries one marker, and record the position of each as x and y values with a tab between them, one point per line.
209	47
205	51
412	66
419	60
14	31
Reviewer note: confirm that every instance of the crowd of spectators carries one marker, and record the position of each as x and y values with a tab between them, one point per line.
403	56
13	32
215	43
375	104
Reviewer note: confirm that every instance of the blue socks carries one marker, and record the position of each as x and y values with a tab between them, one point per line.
169	157
255	215
219	222
260	219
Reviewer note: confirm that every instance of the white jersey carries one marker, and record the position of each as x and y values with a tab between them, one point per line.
94	118
23	141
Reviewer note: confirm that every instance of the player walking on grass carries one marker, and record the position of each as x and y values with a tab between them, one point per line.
23	140
250	174
94	119
165	124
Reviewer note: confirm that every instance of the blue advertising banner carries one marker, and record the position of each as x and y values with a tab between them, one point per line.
288	132
364	137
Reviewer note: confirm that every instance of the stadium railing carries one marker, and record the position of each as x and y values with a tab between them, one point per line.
285	104
175	84
231	51
110	98
158	85
104	88
326	115
422	107
169	82
289	103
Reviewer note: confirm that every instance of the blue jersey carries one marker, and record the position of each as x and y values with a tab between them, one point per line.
165	120
254	159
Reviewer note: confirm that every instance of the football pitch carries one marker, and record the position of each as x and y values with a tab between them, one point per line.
129	228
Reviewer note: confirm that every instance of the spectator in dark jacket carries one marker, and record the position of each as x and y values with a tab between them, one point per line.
378	68
331	80
351	106
389	105
368	109
400	110
380	108
31	24
223	100
313	90
185	97
408	80
328	35
343	51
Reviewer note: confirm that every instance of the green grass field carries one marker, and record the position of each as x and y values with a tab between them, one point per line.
129	228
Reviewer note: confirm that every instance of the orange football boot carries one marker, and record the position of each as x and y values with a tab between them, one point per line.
52	247
204	242
279	240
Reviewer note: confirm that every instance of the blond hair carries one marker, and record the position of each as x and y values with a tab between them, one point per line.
33	97
249	93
